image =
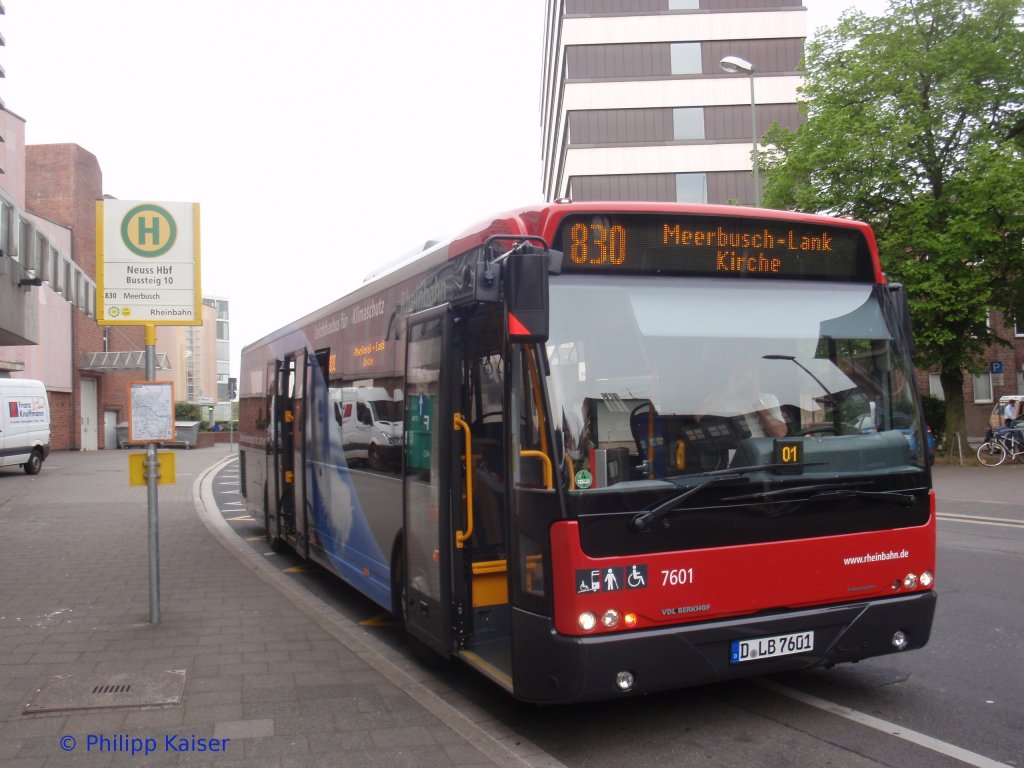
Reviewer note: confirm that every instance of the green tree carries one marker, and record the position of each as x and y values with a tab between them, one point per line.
187	411
915	122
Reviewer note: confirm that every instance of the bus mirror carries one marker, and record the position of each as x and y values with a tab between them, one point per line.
486	281
901	306
526	297
555	262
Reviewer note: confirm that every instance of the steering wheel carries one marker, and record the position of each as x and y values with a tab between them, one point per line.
638	408
820	429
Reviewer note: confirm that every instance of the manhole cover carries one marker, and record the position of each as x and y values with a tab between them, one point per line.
124	689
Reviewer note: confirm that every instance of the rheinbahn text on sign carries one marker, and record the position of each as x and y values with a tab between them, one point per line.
148	263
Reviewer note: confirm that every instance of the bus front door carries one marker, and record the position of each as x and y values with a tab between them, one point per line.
481	583
425	583
456	581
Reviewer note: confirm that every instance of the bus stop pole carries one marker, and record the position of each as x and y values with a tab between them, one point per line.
152	476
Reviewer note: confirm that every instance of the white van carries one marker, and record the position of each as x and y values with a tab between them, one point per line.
24	424
371	425
997	418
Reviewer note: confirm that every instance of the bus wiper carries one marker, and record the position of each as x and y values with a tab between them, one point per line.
828	491
791	490
642	521
902	499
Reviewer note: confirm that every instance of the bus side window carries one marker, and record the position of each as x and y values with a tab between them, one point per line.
487	422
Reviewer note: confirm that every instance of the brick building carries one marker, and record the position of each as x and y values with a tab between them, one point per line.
53	236
1004	375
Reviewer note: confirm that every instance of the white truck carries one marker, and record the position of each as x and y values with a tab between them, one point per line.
24	424
371	425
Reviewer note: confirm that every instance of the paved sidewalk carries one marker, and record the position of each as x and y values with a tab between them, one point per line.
270	677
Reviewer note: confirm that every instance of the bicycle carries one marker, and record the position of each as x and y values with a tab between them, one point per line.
999	444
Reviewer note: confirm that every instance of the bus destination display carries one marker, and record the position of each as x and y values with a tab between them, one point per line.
712	245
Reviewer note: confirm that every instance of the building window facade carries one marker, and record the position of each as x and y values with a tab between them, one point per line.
685	58
983	388
53	268
6	214
24	240
642	78
691	187
688	123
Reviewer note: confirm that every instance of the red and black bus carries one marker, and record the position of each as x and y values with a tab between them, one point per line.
601	449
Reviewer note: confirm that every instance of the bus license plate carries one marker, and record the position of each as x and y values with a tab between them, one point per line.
771	647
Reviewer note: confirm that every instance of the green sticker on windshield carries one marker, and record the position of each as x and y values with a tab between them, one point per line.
584	479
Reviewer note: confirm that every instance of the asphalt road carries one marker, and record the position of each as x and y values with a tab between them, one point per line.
959	701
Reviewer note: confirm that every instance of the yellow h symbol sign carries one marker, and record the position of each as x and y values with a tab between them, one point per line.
149	230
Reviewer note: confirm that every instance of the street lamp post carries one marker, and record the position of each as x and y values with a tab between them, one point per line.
735	65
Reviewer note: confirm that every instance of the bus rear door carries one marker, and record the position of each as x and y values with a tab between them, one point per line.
286	455
299	506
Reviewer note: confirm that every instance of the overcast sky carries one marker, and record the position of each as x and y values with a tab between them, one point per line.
321	138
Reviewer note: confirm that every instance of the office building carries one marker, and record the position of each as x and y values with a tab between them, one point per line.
636	104
199	356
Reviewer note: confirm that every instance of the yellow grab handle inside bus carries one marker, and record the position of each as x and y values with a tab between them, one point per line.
461	537
549	473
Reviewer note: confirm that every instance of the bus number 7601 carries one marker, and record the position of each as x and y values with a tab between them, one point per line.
676	577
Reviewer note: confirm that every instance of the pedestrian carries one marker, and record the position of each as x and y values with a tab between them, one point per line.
1011	411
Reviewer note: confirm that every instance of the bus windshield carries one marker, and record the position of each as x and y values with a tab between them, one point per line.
656	378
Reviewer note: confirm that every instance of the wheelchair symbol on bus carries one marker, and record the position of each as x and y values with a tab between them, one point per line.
637	577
